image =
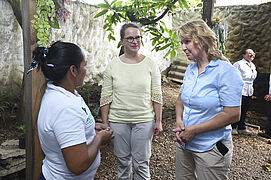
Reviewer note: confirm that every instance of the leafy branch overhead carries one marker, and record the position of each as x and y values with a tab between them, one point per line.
149	14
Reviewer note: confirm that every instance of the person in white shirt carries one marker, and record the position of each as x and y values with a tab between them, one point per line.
267	97
248	73
68	134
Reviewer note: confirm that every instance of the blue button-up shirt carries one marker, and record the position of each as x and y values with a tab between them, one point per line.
205	95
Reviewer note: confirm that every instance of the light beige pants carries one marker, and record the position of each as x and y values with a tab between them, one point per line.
132	143
209	165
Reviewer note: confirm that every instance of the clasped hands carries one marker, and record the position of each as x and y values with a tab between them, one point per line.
184	134
104	131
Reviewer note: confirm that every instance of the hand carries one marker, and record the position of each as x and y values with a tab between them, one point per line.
187	135
105	135
267	97
178	130
100	126
157	129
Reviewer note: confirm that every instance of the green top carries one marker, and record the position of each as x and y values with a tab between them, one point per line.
131	90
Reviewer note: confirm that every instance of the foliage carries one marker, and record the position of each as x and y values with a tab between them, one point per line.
48	14
42	21
22	127
220	29
91	95
195	3
148	14
8	105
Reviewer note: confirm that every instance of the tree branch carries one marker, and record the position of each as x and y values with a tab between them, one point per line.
145	21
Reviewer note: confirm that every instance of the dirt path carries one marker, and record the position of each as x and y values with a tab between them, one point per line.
250	153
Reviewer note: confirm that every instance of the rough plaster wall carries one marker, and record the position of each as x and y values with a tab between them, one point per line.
11	51
80	28
248	27
87	32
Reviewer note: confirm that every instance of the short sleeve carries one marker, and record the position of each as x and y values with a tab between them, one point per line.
69	127
107	87
156	92
236	65
230	86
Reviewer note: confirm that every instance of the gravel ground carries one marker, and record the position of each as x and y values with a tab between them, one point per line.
251	153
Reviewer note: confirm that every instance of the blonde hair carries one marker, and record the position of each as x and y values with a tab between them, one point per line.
199	31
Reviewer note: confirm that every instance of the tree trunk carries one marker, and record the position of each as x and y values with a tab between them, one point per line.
208	11
34	86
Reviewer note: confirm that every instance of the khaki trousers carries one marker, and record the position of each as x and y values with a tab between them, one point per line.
209	165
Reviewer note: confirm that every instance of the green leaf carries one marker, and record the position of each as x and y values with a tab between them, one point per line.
107	3
153	42
57	6
101	13
165	46
113	2
167	53
111	37
200	5
180	4
104	6
119	44
170	32
185	4
173	53
175	36
267	167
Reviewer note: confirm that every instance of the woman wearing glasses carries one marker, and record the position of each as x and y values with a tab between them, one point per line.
131	104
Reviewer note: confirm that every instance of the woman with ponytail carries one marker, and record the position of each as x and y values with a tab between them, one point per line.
68	135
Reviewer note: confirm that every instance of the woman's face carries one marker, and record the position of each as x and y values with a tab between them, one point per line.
132	39
191	50
81	73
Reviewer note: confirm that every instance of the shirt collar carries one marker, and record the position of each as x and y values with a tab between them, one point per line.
247	62
51	86
212	63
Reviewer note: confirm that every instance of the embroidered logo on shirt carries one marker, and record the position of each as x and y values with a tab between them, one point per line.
90	117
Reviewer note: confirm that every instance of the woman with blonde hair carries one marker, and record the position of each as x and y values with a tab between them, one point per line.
209	101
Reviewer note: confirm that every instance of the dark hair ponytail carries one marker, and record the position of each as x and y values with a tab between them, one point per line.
56	60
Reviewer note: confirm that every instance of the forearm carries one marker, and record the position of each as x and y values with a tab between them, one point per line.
92	152
228	116
104	113
158	111
80	157
179	110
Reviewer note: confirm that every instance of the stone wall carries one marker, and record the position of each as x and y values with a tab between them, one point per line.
248	27
11	50
80	28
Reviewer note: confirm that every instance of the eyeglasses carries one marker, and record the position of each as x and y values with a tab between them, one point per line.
131	39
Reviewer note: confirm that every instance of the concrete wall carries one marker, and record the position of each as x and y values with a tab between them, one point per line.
248	27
